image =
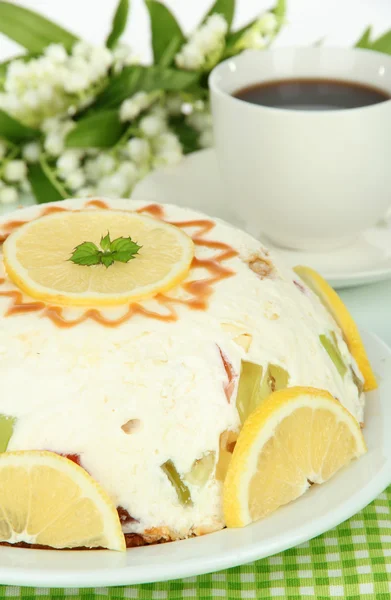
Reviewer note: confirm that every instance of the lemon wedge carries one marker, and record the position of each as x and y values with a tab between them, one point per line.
296	437
49	500
341	315
36	258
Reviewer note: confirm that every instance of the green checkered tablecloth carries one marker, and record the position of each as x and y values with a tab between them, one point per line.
351	561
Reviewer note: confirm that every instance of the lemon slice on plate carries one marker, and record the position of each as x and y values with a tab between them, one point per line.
296	437
36	258
49	500
341	315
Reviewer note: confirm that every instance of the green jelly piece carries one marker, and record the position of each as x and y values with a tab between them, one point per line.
202	469
276	378
279	377
357	381
333	351
249	388
181	488
254	387
6	430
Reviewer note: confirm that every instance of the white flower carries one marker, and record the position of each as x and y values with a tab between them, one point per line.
169	158
203	49
3	149
105	163
75	180
8	195
92	171
218	24
15	170
15	69
268	23
167	142
168	149
68	162
252	40
132	107
114	185
31	152
56	53
129	170
152	125
31	99
205	40
190	58
50	125
100	60
259	35
54	144
82	49
77	81
57	132
85	192
45	93
123	56
53	83
138	150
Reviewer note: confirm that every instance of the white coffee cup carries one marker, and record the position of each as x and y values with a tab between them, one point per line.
307	179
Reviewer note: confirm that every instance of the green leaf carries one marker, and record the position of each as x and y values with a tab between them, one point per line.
365	39
4	65
120	87
168	80
167	58
119	23
280	9
106	259
148	79
30	29
120	250
105	242
100	130
167	36
383	43
226	8
124	249
13	130
44	184
86	254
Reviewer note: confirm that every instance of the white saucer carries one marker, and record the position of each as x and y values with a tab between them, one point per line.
196	182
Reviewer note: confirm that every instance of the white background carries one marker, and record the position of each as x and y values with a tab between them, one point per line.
340	21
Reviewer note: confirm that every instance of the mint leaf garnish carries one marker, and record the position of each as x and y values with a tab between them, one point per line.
86	254
120	250
105	242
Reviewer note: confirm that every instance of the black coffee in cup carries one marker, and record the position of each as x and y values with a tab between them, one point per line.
311	94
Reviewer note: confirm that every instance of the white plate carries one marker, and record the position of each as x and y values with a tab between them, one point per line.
196	182
322	508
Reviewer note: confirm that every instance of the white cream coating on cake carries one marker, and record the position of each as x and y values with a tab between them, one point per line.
72	389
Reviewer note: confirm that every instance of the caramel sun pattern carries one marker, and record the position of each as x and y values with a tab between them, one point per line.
198	291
